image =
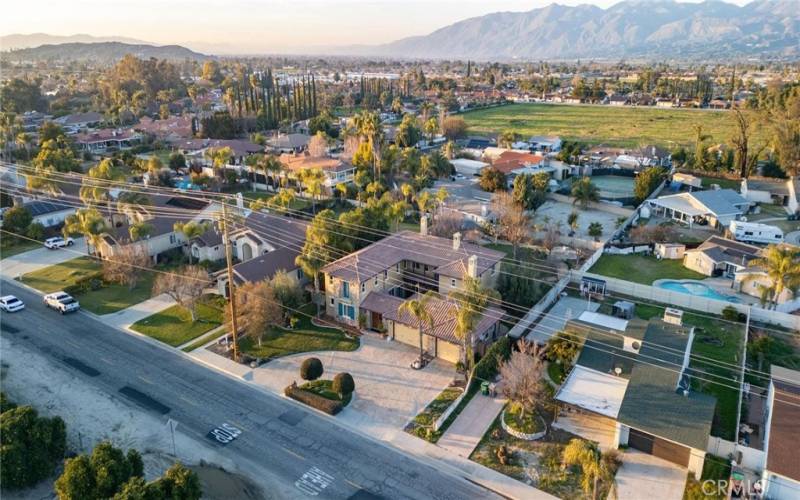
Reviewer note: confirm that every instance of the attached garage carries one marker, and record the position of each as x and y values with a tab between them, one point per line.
658	447
405	334
447	351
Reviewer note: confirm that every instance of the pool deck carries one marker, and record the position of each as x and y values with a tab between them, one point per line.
720	285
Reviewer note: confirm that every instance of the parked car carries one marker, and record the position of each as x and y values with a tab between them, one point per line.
58	242
61	302
11	304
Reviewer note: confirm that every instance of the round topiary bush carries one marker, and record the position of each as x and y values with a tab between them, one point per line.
311	369
343	384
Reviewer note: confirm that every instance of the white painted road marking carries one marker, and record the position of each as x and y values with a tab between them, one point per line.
313	481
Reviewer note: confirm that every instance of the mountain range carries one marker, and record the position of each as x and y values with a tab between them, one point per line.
101	51
25	41
651	29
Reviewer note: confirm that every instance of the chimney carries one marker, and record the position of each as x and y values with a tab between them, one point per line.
239	201
472	266
456	241
423	225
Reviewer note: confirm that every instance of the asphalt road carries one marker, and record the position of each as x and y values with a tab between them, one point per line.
298	451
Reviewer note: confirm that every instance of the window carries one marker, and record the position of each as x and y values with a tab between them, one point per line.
330	280
346	311
333	301
453	282
397	267
494	268
426	268
363	287
385	273
351	312
345	289
376	279
171	239
416	265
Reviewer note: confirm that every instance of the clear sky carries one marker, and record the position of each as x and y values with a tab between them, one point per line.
226	26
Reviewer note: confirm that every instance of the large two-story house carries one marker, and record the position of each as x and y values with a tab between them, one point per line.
367	287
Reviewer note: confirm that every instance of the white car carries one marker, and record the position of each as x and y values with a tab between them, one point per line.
58	242
11	304
61	302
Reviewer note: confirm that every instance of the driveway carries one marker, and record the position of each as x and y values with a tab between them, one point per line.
39	258
646	476
388	392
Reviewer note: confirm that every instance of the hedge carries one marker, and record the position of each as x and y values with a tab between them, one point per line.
87	283
488	366
329	406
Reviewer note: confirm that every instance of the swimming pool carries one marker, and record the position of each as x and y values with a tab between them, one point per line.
614	186
696	288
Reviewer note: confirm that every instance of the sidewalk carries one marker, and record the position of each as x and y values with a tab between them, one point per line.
469	427
125	318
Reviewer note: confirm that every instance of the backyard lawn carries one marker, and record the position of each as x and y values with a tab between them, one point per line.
624	126
174	326
648	269
305	337
59	276
723	183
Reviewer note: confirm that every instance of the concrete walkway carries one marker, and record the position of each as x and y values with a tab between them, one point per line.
125	318
39	258
465	433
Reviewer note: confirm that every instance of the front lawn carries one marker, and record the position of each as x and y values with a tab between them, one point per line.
60	276
10	246
114	297
305	337
642	269
174	326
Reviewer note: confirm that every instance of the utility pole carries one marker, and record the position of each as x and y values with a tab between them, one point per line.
231	287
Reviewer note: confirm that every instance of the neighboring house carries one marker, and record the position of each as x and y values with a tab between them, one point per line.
467	167
336	170
718	256
372	282
266	243
49	213
545	143
98	141
783	192
172	129
754	281
79	121
633	374
466	199
288	143
716	208
781	474
619	100
195	149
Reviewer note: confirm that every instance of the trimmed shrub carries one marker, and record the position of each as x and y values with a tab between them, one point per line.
329	406
311	369
488	366
343	384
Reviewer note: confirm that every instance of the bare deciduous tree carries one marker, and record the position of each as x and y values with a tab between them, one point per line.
513	224
522	376
446	225
185	286
257	309
127	266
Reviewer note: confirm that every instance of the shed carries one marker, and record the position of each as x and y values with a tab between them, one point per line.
670	250
623	309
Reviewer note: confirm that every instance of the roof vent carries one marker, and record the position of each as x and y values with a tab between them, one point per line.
673	316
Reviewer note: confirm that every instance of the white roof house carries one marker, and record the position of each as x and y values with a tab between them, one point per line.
717	207
595	391
468	167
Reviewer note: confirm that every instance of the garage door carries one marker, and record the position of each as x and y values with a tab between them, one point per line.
658	447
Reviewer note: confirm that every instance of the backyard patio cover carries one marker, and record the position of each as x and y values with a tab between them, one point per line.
594	391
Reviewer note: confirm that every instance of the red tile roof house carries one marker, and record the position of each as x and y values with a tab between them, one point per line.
368	287
781	473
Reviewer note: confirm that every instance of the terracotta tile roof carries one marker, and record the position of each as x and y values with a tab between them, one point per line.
408	245
509	161
304	161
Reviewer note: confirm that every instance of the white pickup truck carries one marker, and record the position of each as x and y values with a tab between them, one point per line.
61	302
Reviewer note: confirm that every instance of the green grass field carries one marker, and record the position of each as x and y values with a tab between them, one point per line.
615	126
59	276
648	269
173	325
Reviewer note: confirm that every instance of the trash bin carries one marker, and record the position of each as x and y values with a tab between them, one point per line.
485	388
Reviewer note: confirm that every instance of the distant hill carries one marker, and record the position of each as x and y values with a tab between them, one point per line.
23	41
102	51
654	29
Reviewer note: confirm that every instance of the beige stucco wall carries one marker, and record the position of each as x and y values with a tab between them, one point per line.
696	261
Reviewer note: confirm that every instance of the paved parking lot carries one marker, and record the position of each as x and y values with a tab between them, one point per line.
388	391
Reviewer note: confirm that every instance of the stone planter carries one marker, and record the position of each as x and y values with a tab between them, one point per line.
521	435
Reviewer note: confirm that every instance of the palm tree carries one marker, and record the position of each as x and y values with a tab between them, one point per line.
596	466
23	140
191	230
127	201
255	162
781	263
425	111
572	221
140	230
272	165
471	302
585	191
96	185
313	181
368	125
561	348
417	307
89	223
507	138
